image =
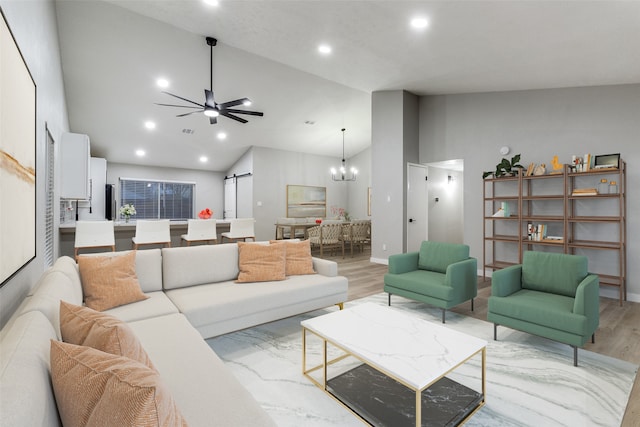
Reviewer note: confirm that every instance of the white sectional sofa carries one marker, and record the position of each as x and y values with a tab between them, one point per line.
192	295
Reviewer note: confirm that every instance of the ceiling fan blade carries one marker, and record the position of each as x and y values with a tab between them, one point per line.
233	103
208	95
184	99
251	113
174	105
231	116
190	112
213	120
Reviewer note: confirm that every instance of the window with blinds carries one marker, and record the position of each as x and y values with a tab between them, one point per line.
158	199
49	207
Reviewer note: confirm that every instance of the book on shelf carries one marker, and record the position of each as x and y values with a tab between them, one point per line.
584	192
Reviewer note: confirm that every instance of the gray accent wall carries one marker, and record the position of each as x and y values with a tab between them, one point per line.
394	143
538	124
33	24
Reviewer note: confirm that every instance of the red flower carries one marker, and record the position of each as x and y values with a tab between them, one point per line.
318	221
205	213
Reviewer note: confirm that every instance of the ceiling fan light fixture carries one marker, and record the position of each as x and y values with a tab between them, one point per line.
211	112
246	102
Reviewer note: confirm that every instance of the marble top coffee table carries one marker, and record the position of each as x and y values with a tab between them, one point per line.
405	363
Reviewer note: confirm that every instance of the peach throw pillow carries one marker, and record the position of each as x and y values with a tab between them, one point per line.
109	281
261	263
90	328
94	388
298	257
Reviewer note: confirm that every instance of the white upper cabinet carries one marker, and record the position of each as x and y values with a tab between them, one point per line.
74	166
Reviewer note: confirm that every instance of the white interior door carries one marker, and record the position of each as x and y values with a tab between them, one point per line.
417	212
230	198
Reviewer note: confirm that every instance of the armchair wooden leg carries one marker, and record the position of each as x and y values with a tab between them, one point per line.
471	304
443	311
389	303
495	332
593	338
575	355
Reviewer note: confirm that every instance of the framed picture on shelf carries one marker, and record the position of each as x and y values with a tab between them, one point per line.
607	161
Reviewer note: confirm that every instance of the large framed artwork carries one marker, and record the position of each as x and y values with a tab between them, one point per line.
306	202
17	158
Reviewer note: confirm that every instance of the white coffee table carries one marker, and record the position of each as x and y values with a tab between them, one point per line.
412	351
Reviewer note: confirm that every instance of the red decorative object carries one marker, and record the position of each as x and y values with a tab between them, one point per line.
318	221
205	213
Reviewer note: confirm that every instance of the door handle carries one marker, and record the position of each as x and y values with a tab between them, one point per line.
412	220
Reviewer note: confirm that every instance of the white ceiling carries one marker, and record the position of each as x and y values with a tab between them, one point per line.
112	52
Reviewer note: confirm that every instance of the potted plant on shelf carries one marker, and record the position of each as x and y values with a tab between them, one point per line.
505	168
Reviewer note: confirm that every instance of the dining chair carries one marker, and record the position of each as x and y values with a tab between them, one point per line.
200	230
94	234
327	236
240	229
152	232
357	234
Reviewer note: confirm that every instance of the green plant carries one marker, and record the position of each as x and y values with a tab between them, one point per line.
505	168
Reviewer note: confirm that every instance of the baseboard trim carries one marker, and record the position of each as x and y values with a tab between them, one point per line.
383	261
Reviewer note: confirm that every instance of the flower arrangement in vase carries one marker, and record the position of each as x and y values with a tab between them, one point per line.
205	213
127	211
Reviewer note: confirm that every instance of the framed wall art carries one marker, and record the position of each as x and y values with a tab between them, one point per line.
17	158
304	201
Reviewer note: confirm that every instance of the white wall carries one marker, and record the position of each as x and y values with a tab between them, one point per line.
209	185
33	24
357	192
538	124
446	215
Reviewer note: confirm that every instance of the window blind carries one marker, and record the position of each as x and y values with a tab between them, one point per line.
158	199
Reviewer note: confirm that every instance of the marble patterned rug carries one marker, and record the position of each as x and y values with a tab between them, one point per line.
531	381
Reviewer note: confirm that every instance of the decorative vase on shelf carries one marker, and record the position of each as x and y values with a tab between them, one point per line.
126	218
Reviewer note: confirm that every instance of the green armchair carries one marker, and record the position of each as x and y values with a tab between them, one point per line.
551	295
440	274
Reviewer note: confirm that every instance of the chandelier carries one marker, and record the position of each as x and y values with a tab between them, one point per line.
341	174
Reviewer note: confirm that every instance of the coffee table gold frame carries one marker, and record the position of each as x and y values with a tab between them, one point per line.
325	363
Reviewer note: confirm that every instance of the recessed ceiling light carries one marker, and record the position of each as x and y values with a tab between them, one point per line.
203	159
162	82
211	2
324	49
419	23
222	135
140	153
150	125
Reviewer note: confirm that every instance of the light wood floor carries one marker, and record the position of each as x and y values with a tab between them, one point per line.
618	335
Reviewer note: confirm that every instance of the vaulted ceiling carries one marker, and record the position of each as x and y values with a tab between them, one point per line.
113	51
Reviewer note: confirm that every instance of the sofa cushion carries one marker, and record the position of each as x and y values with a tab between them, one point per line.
55	287
553	272
97	388
158	304
540	308
418	280
222	401
68	266
26	396
109	281
436	256
90	328
260	262
298	257
196	265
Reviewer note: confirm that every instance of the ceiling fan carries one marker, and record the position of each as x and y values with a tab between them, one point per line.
211	108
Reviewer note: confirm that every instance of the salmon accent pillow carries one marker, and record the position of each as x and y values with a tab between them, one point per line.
109	281
298	257
90	328
96	388
261	263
